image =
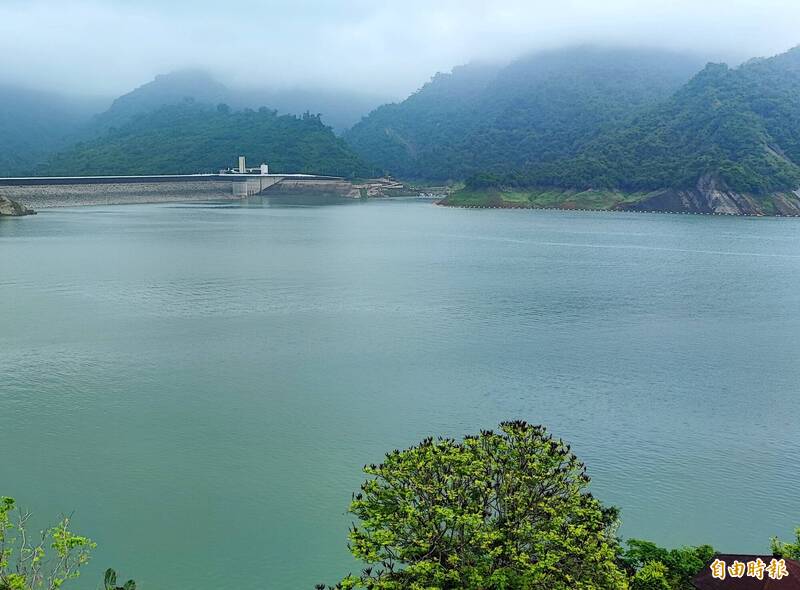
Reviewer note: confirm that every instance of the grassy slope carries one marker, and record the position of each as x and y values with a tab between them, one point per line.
541	199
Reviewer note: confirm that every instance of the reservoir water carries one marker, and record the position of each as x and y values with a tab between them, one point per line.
201	383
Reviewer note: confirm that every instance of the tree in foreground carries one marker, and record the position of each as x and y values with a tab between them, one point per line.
45	561
501	510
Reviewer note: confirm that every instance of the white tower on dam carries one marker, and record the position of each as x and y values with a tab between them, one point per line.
257	179
241	168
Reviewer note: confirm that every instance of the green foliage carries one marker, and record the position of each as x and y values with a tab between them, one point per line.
652	576
500	510
26	563
787	550
675	567
484	180
190	138
110	582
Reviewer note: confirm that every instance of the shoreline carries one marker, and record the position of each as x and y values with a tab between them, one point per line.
699	201
59	197
584	210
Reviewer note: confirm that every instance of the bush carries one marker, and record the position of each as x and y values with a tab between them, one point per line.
787	550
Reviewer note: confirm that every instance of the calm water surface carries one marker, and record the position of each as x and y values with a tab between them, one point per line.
202	384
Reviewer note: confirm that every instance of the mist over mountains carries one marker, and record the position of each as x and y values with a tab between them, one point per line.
537	108
35	124
578	118
339	109
738	127
598	118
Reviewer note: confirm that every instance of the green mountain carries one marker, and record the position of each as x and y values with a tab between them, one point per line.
34	123
338	109
190	138
184	86
539	108
739	127
402	138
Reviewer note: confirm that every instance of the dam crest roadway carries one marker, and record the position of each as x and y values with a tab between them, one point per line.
244	181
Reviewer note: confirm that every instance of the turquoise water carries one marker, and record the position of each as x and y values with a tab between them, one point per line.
201	384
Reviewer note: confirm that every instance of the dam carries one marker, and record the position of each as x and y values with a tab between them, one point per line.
244	181
237	183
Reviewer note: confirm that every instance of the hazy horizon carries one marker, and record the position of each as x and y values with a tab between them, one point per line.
105	49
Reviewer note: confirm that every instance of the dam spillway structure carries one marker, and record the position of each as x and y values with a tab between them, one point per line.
251	181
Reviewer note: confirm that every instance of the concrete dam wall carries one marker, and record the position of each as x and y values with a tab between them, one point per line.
71	195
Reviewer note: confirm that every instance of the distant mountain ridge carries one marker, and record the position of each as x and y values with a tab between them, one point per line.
191	138
537	108
165	89
338	109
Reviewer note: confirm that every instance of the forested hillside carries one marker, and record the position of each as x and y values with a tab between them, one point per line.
190	138
537	109
736	127
402	138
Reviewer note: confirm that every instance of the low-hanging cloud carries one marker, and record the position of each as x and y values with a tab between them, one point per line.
388	48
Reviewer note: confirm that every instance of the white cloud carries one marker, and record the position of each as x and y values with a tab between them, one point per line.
107	47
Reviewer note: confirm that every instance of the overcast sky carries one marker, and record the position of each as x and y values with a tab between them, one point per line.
385	47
